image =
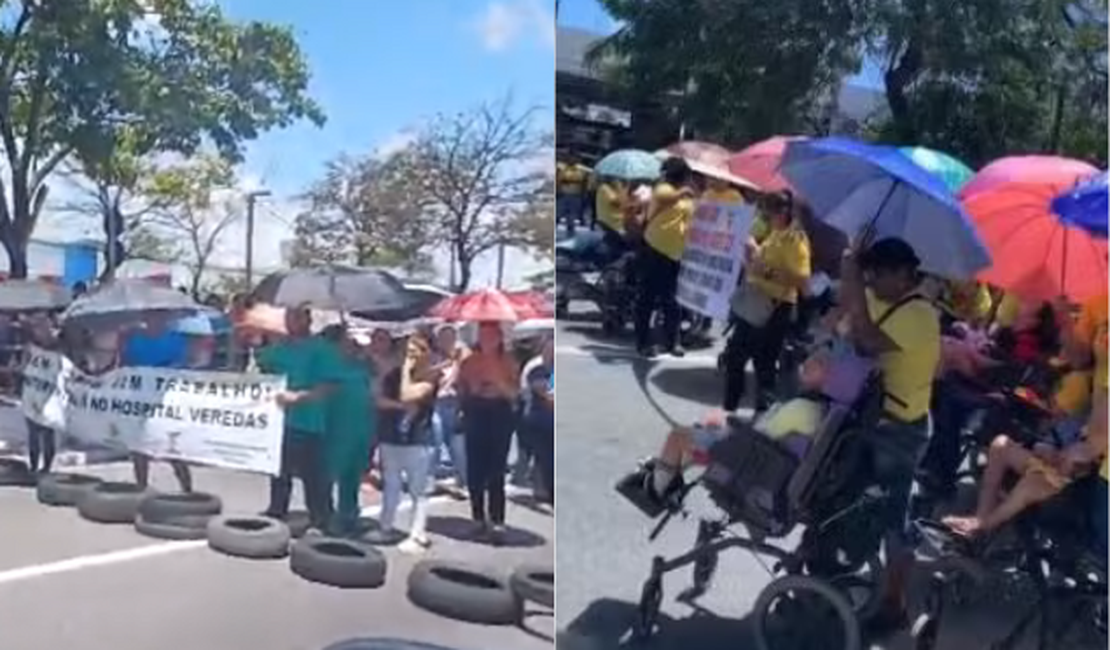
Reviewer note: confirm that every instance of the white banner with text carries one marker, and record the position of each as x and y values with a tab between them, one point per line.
222	419
713	257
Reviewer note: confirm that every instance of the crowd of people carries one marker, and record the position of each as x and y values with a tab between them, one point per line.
928	337
395	411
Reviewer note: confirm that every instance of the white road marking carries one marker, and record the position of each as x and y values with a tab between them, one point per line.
82	562
602	352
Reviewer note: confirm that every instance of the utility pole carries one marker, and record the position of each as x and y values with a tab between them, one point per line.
500	263
251	197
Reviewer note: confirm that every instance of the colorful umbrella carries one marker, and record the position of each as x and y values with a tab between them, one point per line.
629	165
954	173
760	162
1085	206
872	191
695	151
1065	172
1035	255
490	305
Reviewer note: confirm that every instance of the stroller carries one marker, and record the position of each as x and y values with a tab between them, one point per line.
763	486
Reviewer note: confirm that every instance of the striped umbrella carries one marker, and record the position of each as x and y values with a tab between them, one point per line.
954	173
696	151
760	162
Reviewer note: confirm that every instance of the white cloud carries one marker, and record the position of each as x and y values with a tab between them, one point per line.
505	23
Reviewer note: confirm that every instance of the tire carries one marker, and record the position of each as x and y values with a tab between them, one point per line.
64	489
112	502
852	639
384	644
534	583
378	537
338	563
181	527
15	473
160	507
298	522
256	538
463	592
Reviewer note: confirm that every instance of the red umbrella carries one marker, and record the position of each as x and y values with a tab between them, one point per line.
1034	254
759	163
490	305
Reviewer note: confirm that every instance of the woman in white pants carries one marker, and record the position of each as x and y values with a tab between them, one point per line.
408	404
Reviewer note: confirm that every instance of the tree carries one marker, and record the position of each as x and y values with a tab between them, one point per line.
100	82
990	78
190	212
472	173
737	70
364	212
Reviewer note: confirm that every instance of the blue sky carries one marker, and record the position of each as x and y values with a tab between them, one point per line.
380	68
589	15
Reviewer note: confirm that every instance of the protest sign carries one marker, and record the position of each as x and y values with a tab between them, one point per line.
713	257
220	419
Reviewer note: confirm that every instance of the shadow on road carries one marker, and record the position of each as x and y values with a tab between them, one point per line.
700	385
462	530
606	625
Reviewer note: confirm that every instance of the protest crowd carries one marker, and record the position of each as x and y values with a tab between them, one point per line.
915	327
342	379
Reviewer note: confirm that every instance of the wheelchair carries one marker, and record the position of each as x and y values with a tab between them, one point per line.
1052	546
766	490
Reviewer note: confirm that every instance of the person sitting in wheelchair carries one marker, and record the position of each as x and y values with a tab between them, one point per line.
883	316
1046	469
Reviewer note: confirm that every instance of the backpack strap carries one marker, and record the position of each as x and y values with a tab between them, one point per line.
891	310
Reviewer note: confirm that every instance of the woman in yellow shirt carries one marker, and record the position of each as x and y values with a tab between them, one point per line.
571	181
775	271
664	236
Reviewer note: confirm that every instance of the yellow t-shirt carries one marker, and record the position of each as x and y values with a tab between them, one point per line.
606	207
666	228
786	250
1008	309
970	301
1074	394
728	195
908	373
571	179
1091	329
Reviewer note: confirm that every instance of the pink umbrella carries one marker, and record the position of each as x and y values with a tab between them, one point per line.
1063	173
1033	253
695	151
759	163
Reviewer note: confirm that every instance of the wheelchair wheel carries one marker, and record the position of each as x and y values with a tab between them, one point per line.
925	631
863	588
797	612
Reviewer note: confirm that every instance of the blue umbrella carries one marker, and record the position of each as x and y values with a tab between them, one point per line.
1085	206
208	322
874	191
629	165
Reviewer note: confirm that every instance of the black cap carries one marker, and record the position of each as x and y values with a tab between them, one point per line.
891	254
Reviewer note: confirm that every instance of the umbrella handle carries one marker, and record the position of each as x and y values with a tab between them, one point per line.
868	234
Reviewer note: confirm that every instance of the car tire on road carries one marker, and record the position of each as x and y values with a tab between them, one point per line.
464	592
112	502
160	507
338	563
65	489
256	538
15	473
379	537
176	528
534	583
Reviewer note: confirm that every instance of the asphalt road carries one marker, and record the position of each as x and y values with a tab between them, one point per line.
68	583
614	409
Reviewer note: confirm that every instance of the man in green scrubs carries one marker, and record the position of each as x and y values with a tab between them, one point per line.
310	366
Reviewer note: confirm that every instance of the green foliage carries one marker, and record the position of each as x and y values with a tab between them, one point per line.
109	82
364	211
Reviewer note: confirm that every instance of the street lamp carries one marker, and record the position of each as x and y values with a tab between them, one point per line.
251	197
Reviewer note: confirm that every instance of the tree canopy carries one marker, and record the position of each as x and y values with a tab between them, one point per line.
110	82
977	79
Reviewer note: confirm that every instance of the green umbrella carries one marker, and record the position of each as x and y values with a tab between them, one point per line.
953	172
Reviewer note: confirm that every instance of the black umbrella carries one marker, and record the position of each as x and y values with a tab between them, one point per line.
368	292
125	303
